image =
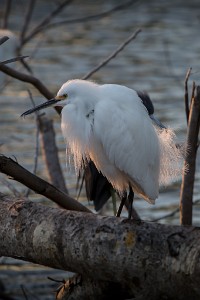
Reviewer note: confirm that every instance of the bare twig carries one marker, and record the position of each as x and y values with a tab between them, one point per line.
186	94
10	186
9	167
3	39
169	215
27	78
8	61
45	21
114	54
24	292
92	17
190	161
172	213
6	14
27	20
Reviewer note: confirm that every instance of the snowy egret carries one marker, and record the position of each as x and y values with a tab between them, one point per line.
98	188
110	125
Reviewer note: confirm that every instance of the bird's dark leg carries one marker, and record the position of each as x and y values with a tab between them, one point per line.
130	199
123	200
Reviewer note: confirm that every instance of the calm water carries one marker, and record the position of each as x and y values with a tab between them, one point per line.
156	61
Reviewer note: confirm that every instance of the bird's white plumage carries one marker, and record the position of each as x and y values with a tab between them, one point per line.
109	125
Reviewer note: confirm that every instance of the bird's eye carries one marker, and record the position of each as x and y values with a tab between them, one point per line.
64	95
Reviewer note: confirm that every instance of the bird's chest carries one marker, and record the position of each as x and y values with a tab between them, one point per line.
77	123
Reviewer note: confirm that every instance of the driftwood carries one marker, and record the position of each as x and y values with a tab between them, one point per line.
147	260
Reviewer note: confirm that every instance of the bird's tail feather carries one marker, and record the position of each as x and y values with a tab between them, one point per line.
171	156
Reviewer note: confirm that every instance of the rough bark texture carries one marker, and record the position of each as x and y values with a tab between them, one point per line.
151	261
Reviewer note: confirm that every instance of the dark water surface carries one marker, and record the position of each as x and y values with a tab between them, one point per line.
156	61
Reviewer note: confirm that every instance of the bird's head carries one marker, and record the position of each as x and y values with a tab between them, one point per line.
59	100
68	91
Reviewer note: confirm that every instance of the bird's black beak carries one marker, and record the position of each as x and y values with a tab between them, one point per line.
43	105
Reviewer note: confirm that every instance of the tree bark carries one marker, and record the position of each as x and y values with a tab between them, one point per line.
187	186
50	153
149	260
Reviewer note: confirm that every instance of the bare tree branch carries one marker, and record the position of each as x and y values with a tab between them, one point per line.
11	187
50	152
190	161
187	111
172	213
27	78
40	186
114	54
36	142
25	26
30	79
45	21
92	17
27	20
8	61
6	14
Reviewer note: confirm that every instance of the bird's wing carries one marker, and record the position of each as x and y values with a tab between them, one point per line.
98	189
129	140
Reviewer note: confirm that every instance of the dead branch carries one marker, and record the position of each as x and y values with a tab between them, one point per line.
174	212
190	161
187	111
27	78
50	152
25	26
36	143
114	54
27	20
92	17
11	187
6	14
40	186
8	61
45	22
131	255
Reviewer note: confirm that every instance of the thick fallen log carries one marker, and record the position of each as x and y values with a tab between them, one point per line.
149	260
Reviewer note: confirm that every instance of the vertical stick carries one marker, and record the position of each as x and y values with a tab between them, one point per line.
6	14
186	94
50	153
190	160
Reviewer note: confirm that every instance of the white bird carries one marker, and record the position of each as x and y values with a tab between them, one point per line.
109	125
